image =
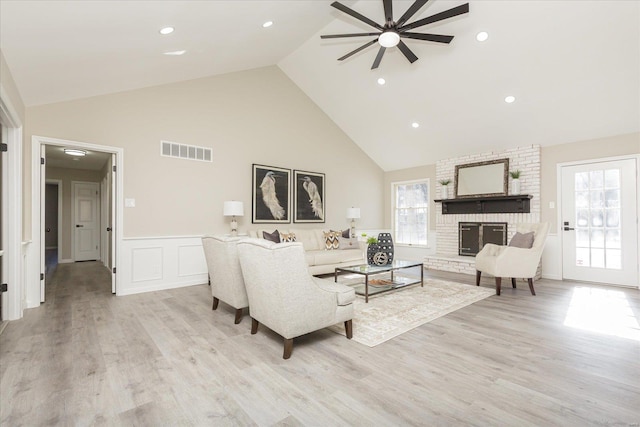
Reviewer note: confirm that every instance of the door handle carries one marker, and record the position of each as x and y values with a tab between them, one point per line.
48	230
109	228
79	225
568	228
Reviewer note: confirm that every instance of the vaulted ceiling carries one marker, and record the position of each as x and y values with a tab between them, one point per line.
573	66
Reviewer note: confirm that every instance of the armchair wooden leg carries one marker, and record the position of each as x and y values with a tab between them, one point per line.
478	274
348	328
513	282
215	303
254	326
498	283
288	348
530	280
238	316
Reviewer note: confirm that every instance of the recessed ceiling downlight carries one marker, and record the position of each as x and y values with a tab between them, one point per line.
166	30
175	53
267	24
510	99
75	152
415	125
381	81
482	36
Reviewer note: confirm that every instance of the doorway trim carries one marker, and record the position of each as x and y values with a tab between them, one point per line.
559	167
13	300
35	285
58	183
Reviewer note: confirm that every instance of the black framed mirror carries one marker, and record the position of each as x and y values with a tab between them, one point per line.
482	179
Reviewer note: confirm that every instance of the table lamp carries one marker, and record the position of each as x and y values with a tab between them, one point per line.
233	209
353	214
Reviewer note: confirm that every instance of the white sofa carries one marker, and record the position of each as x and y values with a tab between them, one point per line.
320	261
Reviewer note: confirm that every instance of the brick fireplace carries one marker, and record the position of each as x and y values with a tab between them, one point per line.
447	257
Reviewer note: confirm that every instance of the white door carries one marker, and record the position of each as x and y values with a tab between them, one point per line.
86	223
599	222
113	225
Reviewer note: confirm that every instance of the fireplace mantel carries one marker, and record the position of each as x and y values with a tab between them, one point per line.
495	204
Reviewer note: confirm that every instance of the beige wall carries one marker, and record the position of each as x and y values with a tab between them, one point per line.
550	156
421	172
255	116
6	80
67	176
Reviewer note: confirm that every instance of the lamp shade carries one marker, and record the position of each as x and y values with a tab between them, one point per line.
353	213
233	208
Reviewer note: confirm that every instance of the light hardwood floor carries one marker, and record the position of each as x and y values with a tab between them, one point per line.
165	358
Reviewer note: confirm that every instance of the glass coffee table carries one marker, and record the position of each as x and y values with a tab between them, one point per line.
377	286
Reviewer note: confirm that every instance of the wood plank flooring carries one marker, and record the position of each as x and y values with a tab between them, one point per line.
165	358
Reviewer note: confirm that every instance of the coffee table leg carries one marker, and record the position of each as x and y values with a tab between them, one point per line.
422	275
366	288
335	279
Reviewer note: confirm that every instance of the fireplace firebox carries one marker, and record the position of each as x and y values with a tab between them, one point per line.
472	236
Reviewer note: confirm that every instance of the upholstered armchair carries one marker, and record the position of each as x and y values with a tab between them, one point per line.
285	297
519	259
224	273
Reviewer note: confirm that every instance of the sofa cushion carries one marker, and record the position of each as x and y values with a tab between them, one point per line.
307	238
272	237
331	239
349	243
333	257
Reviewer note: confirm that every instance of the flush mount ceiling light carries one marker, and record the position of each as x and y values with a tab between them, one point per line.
482	36
510	99
75	152
166	30
415	125
381	81
175	53
267	24
390	33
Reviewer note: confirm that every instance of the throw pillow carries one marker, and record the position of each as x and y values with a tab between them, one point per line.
331	239
272	237
287	237
344	233
520	240
348	243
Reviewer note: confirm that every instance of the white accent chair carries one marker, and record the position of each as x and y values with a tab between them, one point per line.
510	261
225	274
285	297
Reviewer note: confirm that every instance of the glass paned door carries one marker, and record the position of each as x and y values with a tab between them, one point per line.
599	228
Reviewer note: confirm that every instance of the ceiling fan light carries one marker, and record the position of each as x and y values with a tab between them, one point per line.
389	39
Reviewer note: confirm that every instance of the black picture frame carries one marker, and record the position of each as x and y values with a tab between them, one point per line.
309	202
271	196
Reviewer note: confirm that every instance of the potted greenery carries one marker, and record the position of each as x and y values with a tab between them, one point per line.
372	248
445	188
515	183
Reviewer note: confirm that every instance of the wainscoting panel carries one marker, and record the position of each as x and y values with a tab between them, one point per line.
157	263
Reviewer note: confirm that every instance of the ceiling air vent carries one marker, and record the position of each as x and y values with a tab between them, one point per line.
183	151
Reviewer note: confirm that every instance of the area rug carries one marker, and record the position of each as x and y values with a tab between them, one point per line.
393	313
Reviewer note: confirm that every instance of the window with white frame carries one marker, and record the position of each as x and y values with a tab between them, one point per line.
410	212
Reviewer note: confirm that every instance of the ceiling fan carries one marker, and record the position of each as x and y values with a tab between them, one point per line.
391	32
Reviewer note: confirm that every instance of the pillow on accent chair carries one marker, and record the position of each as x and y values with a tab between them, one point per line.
350	243
287	237
331	241
272	237
520	240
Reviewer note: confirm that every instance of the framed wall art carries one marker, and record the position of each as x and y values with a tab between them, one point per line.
308	196
271	202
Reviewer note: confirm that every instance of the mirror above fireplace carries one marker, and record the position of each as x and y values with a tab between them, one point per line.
482	179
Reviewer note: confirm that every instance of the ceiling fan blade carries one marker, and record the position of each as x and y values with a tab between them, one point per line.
335	36
356	15
458	10
376	62
407	52
438	38
415	7
364	46
388	11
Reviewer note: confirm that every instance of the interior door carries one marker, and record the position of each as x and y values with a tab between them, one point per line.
112	220
3	214
86	221
599	222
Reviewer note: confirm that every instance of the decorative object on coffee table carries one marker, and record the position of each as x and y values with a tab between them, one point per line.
372	249
385	241
515	182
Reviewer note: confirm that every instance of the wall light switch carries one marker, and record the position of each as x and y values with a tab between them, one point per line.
552	205
129	203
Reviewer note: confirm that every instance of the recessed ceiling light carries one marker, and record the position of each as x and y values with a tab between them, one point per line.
509	99
267	24
175	52
166	30
415	125
75	152
482	36
381	81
